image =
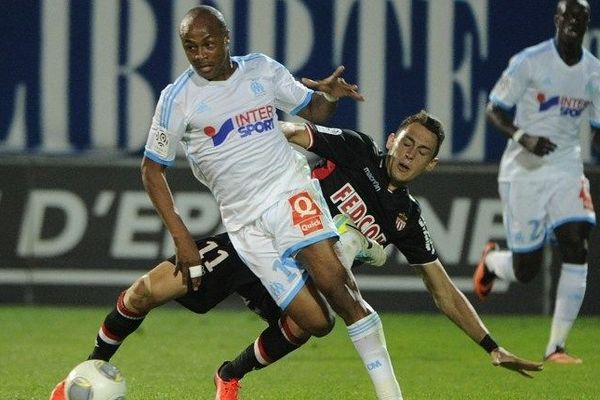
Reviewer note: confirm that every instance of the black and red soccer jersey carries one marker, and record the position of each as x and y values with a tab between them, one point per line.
354	181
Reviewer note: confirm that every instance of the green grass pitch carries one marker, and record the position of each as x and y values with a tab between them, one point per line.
175	353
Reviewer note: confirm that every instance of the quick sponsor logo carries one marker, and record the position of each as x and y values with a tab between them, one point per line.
349	202
306	214
569	106
257	120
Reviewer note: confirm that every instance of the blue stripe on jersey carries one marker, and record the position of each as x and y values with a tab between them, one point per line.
304	102
157	159
248	57
167	106
500	103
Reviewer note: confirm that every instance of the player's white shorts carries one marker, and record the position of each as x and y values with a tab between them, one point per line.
269	244
532	210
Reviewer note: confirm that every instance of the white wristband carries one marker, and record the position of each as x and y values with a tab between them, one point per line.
196	271
330	98
518	134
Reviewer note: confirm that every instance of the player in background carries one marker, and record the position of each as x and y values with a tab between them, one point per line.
541	181
370	188
222	110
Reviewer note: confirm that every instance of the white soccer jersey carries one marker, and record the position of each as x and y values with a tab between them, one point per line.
550	97
231	136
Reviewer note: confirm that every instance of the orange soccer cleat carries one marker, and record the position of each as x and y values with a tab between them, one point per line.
560	356
226	390
483	279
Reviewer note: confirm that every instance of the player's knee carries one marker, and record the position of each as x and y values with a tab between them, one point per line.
574	253
526	266
525	274
138	297
323	326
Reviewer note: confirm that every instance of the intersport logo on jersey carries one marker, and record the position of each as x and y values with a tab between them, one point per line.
257	120
569	106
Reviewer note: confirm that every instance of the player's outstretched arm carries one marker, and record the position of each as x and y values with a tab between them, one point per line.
455	305
505	359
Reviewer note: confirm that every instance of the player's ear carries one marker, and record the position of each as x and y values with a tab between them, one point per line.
390	141
432	164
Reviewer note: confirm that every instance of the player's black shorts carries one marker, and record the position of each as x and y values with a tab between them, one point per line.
227	274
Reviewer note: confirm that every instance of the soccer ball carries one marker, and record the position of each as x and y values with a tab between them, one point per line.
95	380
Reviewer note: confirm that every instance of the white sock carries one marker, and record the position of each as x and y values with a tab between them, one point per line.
500	263
569	296
369	340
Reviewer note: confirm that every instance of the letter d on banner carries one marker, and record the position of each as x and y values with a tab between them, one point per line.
31	243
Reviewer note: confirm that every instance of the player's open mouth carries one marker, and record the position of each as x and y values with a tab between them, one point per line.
403	167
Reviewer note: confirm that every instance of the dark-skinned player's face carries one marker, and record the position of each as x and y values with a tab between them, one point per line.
572	20
206	47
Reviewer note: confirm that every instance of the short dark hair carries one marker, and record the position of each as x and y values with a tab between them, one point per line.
205	10
428	121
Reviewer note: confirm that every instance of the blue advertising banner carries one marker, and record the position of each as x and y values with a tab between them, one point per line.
85	75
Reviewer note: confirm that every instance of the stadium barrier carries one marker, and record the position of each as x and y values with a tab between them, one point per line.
76	231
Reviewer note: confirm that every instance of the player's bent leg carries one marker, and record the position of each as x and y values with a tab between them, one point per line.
149	291
154	289
280	338
363	323
333	280
274	343
354	245
311	312
572	241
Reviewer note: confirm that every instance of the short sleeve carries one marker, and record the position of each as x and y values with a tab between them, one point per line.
512	84
291	95
417	245
167	129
